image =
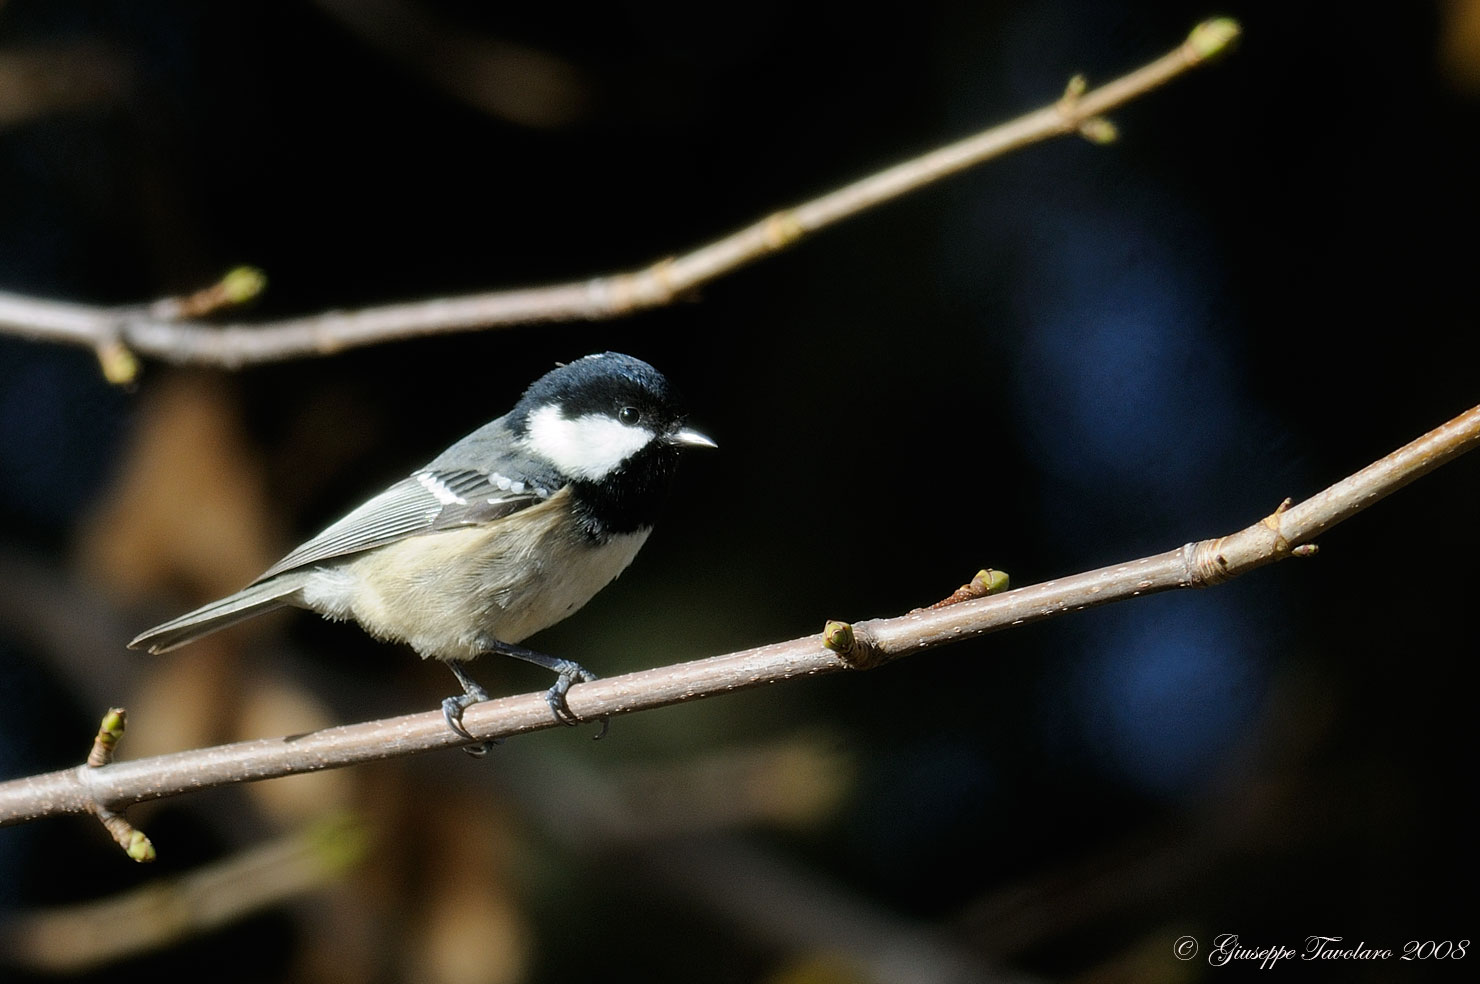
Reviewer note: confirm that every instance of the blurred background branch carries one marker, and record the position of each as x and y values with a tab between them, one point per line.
146	332
144	919
511	81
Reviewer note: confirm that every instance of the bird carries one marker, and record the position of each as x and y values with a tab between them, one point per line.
508	531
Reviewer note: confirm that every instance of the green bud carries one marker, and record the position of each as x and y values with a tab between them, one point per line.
1212	37
838	636
991	581
242	284
139	847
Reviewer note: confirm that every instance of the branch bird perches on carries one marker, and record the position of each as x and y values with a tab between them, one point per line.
1287	532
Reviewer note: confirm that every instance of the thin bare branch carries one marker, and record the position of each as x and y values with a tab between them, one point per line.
151	330
1284	533
82	936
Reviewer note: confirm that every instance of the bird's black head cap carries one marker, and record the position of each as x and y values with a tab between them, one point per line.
603	383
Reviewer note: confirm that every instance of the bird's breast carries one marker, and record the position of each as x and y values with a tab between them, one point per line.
440	591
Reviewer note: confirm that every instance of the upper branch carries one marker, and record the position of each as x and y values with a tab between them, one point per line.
1286	532
161	332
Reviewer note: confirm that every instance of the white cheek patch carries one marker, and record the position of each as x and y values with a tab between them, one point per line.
589	447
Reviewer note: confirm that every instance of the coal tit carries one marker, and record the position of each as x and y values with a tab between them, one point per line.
505	533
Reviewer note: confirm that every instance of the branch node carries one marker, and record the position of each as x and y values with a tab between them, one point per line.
781	229
652	286
662	274
1273	523
1206	564
133	841
106	740
1068	104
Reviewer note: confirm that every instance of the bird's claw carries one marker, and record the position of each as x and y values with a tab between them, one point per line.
569	675
452	712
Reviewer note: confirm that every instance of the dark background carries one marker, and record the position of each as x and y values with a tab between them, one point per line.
1068	357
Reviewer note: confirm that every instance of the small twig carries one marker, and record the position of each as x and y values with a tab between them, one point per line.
238	287
161	333
869	643
986	582
133	841
106	740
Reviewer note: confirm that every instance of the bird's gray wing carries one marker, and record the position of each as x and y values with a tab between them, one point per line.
430	500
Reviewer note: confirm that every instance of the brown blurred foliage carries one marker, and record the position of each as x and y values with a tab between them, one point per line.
190	477
1459	44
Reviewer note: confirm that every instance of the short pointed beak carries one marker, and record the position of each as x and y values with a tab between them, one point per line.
687	438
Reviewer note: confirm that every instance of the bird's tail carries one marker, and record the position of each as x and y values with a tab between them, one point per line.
253	600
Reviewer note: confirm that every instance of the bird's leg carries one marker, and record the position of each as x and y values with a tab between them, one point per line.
453	707
568	672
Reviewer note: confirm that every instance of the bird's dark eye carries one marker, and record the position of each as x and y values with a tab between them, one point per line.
631	416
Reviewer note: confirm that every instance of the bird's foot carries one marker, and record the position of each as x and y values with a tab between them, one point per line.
453	707
567	674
